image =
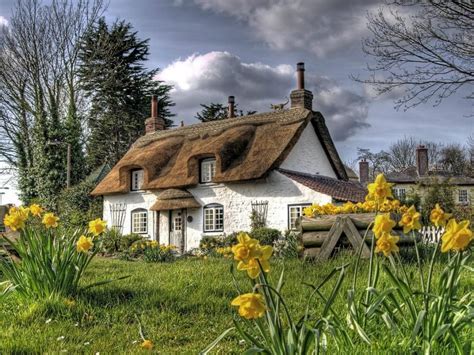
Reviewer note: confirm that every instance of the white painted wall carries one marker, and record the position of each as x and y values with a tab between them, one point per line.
279	190
133	200
308	155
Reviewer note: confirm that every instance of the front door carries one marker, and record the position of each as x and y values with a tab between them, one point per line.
177	229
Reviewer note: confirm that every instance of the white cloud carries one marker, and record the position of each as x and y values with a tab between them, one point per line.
318	26
212	77
3	21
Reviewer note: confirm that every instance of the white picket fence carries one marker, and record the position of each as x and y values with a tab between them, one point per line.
431	234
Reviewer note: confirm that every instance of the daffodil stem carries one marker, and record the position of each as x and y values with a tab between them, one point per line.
422	279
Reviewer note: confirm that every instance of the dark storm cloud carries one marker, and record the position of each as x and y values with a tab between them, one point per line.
213	76
316	26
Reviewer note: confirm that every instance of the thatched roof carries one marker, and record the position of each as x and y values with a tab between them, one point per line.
173	199
245	148
338	189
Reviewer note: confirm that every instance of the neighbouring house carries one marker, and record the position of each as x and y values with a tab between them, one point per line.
178	185
418	179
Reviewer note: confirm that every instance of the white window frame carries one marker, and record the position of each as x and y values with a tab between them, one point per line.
299	212
213	218
139	221
137	178
398	191
463	196
207	170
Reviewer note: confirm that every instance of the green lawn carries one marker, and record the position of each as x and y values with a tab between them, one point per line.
183	306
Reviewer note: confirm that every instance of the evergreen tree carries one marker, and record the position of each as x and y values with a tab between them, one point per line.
113	74
215	112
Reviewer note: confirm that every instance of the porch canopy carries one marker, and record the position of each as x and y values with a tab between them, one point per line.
174	199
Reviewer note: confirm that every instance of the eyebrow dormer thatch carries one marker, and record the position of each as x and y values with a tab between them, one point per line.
245	148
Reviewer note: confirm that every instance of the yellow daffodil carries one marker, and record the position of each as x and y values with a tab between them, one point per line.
369	206
457	236
97	226
84	244
387	244
50	220
438	217
251	305
246	249
380	189
403	209
14	220
252	265
36	210
410	220
147	344
383	224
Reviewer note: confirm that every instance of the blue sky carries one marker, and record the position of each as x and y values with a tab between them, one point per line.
210	49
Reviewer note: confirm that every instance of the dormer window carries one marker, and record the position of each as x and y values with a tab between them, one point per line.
137	180
208	170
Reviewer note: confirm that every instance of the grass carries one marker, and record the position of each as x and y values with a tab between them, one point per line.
183	306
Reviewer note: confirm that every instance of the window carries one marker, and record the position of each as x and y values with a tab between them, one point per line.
295	212
139	221
213	218
137	180
399	193
208	170
463	196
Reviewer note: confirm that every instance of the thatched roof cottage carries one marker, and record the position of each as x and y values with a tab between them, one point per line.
177	185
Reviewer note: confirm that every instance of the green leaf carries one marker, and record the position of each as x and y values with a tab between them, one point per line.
418	324
216	341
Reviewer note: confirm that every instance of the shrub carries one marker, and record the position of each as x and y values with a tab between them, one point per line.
76	206
110	242
127	240
49	262
266	236
288	246
153	252
209	244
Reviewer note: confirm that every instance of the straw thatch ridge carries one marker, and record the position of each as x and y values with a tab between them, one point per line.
245	148
174	199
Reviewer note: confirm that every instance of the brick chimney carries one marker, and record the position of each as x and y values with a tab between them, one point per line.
422	160
301	97
231	107
155	122
364	172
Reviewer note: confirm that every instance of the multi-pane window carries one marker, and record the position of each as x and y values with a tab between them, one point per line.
213	218
294	213
137	180
139	221
178	223
208	170
463	196
400	193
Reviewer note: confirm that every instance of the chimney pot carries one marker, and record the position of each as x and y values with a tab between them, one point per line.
300	97
154	106
300	73
231	107
155	122
364	172
422	160
182	123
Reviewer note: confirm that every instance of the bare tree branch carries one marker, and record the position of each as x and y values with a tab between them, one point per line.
425	48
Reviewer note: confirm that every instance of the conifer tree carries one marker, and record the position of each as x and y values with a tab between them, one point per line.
215	112
119	86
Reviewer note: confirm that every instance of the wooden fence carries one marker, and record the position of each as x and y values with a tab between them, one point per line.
324	234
